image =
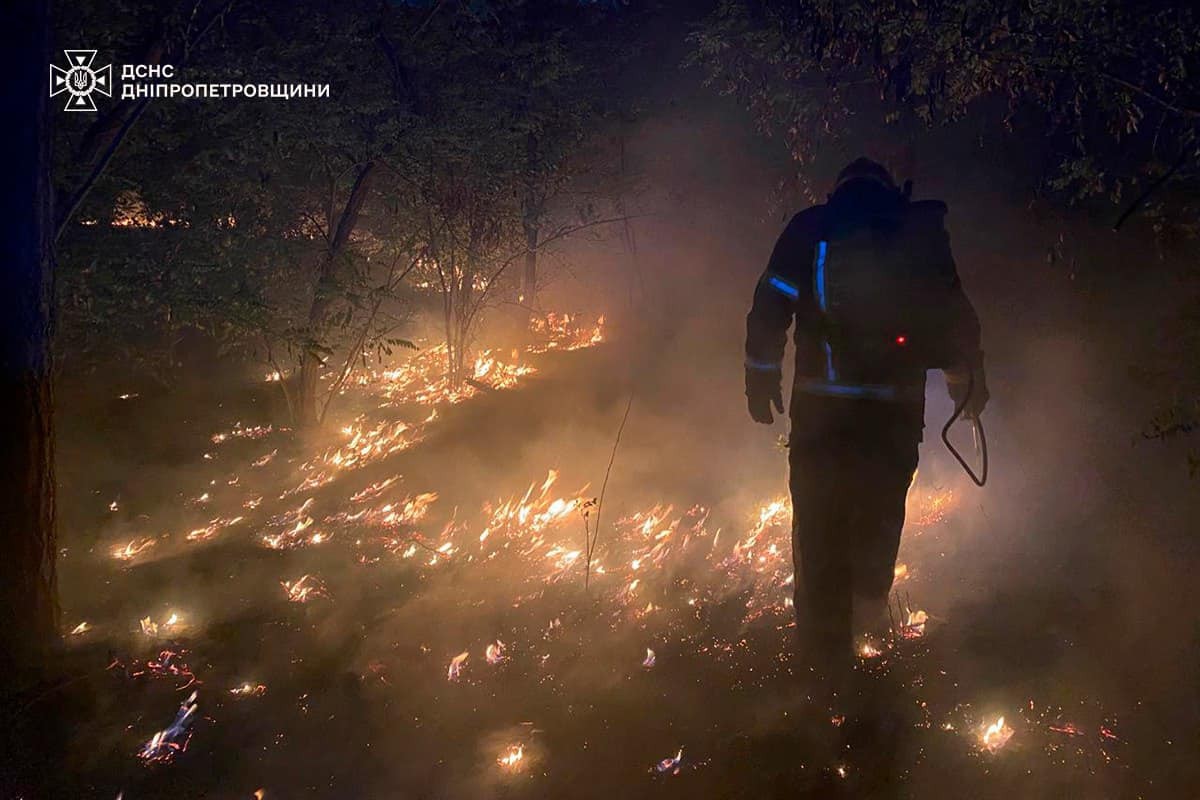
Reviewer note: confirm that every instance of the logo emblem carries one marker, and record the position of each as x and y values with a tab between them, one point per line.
79	80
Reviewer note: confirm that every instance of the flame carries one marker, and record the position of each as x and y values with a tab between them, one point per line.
914	625
643	559
133	548
512	757
995	736
526	523
649	660
242	432
154	629
407	511
454	672
290	529
172	740
494	653
363	445
305	588
564	332
373	490
213	527
422	380
671	765
263	460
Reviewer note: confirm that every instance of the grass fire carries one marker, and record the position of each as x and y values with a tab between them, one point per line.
545	399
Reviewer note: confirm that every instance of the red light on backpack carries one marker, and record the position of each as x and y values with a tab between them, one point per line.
901	340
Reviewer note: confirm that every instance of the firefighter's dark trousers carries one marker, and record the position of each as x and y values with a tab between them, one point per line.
851	465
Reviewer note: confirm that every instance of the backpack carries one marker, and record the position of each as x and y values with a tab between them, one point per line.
879	302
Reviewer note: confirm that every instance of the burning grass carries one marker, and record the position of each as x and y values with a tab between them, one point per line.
488	592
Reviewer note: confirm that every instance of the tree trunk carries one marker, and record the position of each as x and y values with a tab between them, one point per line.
529	274
28	591
308	405
531	215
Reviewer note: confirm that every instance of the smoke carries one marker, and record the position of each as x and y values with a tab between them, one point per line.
1058	579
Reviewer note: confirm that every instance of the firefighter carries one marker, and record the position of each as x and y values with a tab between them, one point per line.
870	283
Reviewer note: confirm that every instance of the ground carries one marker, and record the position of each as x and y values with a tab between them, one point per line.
402	607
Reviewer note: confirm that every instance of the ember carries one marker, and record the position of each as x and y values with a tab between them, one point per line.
167	664
929	507
240	432
1068	728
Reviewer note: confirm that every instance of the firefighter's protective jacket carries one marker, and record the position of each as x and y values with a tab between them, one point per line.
786	293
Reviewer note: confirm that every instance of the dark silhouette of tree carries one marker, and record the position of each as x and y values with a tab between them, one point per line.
28	604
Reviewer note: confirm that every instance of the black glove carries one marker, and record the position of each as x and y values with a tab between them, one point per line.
968	389
764	388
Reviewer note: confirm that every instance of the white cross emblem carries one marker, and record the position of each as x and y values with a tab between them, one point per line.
79	80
